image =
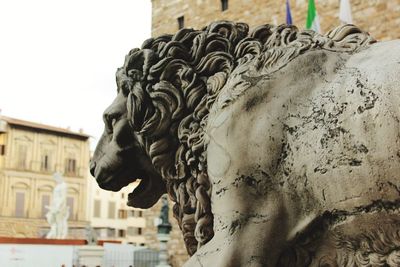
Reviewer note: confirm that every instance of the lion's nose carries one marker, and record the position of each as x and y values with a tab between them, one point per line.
92	167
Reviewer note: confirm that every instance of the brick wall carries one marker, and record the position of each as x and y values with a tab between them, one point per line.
379	17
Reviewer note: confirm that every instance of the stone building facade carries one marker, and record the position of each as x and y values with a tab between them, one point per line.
112	219
379	17
30	153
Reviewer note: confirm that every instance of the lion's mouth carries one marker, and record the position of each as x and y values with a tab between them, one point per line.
147	192
139	192
140	195
144	195
114	182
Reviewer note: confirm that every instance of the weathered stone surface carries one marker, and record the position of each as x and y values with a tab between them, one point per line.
279	147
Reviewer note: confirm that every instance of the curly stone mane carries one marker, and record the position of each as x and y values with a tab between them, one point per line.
174	81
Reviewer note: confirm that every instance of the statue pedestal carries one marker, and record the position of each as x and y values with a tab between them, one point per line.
163	254
90	256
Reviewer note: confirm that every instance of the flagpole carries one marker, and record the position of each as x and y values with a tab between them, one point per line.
312	22
289	20
345	12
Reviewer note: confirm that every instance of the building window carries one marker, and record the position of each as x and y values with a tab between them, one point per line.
122	214
22	156
2	150
45	204
46	162
110	232
111	210
96	208
121	233
70	166
135	213
20	204
224	5
70	204
132	231
181	22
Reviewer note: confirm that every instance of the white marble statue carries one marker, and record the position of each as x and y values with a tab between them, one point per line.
58	213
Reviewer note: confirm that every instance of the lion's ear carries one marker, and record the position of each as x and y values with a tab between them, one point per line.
141	60
138	105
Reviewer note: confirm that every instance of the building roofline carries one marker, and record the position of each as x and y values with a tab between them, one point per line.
43	127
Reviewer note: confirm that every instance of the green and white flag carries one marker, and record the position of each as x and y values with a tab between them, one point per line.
312	17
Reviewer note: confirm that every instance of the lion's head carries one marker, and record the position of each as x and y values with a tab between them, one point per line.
120	158
155	127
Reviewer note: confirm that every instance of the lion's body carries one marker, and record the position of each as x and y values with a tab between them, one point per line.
319	136
279	147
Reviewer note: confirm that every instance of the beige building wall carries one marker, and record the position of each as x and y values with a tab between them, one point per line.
30	153
379	17
112	219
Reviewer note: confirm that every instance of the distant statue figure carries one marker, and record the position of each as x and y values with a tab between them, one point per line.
58	213
91	235
163	224
164	211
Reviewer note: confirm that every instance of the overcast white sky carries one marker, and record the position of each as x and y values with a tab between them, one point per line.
58	57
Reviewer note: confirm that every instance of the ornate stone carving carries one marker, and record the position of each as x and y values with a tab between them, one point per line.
261	139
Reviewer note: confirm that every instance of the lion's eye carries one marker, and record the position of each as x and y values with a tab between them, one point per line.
110	122
113	122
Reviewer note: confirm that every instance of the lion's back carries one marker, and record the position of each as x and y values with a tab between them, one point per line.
320	140
326	125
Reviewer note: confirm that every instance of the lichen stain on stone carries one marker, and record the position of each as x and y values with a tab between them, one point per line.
369	102
355	162
243	219
247	180
320	170
221	191
361	148
252	102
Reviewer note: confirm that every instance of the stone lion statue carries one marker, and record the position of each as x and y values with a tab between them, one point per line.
279	147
